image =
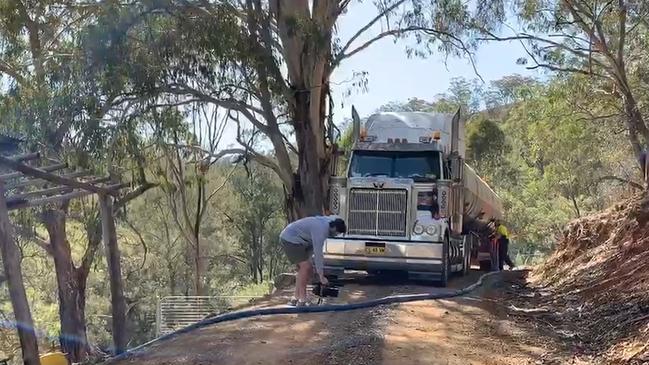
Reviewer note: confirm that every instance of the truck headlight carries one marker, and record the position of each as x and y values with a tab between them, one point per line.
418	229
431	230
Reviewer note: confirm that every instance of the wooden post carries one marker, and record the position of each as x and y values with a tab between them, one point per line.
118	302
11	262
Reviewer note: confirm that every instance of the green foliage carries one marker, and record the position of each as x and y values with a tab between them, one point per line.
485	140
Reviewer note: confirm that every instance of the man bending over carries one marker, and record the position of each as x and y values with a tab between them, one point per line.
306	237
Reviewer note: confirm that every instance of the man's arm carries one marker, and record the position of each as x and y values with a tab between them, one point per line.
318	238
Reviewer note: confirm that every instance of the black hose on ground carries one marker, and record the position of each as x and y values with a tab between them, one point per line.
394	299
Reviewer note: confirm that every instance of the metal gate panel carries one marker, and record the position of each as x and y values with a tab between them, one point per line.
176	312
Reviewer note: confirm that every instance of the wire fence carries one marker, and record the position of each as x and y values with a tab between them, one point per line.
175	312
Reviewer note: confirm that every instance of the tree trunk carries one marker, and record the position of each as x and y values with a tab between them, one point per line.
11	262
635	123
308	66
310	189
260	254
199	268
71	288
118	302
172	279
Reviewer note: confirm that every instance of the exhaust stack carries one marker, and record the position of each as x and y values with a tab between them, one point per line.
455	133
356	125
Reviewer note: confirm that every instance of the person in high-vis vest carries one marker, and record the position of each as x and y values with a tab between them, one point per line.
502	234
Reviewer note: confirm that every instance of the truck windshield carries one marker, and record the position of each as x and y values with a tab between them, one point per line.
419	166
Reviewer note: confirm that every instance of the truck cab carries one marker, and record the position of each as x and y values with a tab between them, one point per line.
410	202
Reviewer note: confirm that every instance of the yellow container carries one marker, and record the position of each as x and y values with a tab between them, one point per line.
54	358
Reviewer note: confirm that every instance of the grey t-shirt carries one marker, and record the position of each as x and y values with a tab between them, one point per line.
309	231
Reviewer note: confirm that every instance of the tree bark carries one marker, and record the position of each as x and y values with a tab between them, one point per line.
199	267
635	123
118	302
11	261
71	289
310	196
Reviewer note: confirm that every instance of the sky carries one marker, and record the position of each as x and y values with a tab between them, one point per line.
393	76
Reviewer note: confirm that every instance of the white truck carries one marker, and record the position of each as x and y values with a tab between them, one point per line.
410	202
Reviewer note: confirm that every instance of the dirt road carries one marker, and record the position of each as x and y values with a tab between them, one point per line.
474	329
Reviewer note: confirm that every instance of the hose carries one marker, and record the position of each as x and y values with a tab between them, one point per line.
394	299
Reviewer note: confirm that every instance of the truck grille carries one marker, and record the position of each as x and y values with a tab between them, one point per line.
377	212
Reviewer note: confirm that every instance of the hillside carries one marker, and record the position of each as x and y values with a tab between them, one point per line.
598	279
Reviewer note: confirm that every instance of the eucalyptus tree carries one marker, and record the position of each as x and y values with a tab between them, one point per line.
604	40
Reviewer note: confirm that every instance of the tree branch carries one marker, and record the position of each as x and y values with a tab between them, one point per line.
622	36
232	104
633	184
282	170
214	157
140	238
341	56
360	32
34	237
529	37
225	181
133	194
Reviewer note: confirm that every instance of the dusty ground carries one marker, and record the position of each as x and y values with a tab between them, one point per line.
475	329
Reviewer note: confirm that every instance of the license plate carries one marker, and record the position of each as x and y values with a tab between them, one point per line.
375	250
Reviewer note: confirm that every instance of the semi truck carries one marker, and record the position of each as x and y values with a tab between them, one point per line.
410	202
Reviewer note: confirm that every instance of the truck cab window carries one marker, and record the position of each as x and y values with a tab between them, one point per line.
419	166
366	165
